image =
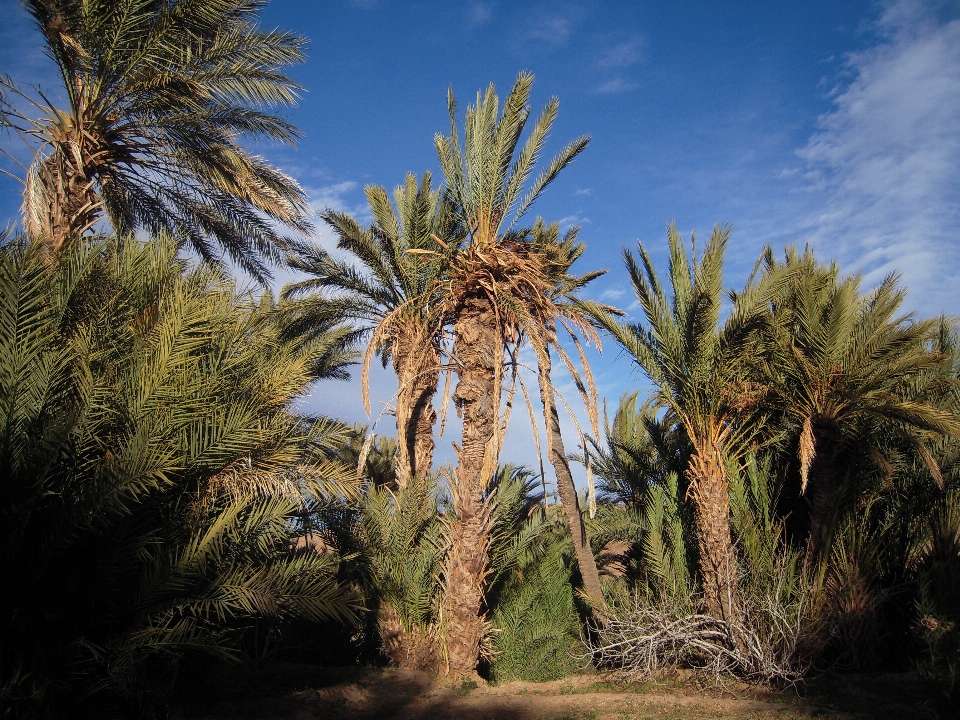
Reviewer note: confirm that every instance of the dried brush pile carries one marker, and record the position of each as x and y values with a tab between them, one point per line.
649	640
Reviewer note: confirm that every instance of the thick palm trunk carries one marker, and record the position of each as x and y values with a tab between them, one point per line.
710	488
821	489
59	204
477	353
425	417
568	491
417	366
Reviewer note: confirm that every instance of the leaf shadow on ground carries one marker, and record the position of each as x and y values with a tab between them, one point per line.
306	692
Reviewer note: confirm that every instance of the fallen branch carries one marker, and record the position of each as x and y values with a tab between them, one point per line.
649	640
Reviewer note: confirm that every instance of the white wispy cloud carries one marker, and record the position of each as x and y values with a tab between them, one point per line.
572	220
616	86
622	54
553	31
333	196
883	170
612	294
615	55
345	196
479	13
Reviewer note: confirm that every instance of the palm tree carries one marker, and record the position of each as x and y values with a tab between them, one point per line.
159	97
838	361
152	468
392	296
642	448
402	545
558	255
698	368
494	282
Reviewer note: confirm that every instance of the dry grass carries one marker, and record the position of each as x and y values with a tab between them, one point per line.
301	691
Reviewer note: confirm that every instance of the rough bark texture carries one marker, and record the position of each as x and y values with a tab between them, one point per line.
477	354
413	650
60	202
568	491
416	362
710	487
821	491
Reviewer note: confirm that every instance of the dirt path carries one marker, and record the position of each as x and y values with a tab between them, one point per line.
305	693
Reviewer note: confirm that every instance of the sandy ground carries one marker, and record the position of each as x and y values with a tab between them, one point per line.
375	694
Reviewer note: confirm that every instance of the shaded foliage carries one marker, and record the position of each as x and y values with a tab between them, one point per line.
159	97
152	470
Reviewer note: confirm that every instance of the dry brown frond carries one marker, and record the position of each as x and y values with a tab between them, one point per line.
365	451
932	465
412	648
511	391
808	449
745	397
388	329
491	454
239	480
444	400
536	436
593	407
884	465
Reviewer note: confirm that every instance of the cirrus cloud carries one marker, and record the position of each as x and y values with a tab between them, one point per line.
883	169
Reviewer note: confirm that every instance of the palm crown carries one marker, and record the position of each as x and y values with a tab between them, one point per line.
393	297
159	96
840	360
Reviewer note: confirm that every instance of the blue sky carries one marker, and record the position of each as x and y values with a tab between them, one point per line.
830	123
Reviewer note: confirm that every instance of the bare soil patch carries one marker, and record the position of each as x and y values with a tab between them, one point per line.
302	692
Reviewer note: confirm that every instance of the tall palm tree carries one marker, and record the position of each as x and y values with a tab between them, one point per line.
840	360
159	96
494	281
392	295
558	255
698	368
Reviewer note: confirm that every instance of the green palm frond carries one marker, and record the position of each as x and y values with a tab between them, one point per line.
160	97
837	355
684	348
153	469
643	445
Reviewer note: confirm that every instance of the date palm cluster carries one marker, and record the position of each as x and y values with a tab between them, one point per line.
791	478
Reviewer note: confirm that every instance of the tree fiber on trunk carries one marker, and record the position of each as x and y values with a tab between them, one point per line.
60	203
409	650
821	488
416	362
478	354
568	491
710	488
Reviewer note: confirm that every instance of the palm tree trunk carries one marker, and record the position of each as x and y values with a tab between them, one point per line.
568	491
821	490
710	489
59	203
478	348
425	416
393	638
416	361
